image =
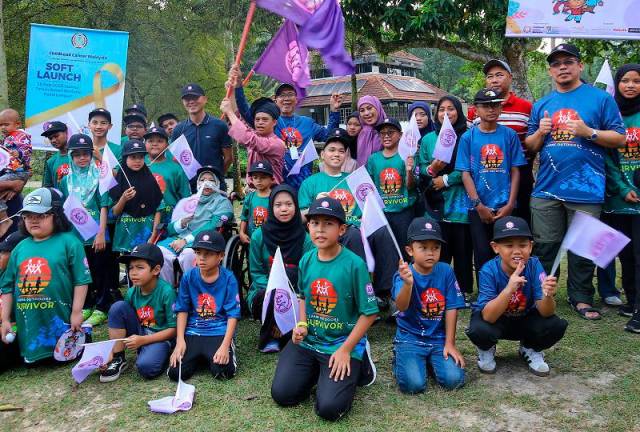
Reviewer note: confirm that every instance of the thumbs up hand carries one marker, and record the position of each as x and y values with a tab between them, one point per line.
545	124
578	127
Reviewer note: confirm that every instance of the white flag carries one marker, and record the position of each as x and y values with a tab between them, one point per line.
361	185
186	207
182	401
446	141
108	164
408	145
95	355
309	154
84	223
5	158
606	77
373	219
182	153
285	301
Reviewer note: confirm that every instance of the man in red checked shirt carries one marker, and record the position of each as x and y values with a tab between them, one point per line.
515	115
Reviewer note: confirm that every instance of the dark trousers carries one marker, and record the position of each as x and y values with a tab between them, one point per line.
525	189
386	257
103	290
200	350
629	225
269	329
481	235
9	355
459	248
532	330
399	223
300	369
352	240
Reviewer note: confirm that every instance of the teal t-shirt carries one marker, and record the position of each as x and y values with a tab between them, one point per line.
93	208
623	165
55	169
323	182
42	276
132	231
336	293
155	310
390	176
255	210
173	183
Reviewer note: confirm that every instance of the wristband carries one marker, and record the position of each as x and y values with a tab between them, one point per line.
302	324
430	171
445	180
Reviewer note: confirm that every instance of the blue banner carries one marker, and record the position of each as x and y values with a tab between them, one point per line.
71	72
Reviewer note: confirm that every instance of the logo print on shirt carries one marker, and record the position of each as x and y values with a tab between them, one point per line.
291	137
491	156
206	306
631	150
34	276
62	171
323	296
432	302
161	183
390	181
146	316
259	216
517	303
560	129
346	199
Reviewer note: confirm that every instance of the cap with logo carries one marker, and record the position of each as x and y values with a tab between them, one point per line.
564	48
422	228
100	112
327	207
54	127
389	122
496	63
192	89
11	241
135	118
145	251
136	107
337	134
156	131
487	96
210	240
285	86
80	142
261	167
41	200
133	146
511	226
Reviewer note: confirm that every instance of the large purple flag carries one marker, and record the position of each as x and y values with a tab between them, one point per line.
286	59
298	11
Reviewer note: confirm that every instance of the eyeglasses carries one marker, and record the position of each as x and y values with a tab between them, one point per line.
135	126
388	133
35	216
558	63
287	95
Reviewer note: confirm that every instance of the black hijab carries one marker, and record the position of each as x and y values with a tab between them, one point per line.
460	127
352	145
288	235
148	193
627	106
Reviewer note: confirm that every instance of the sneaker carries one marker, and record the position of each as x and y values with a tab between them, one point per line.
97	318
368	370
86	313
487	360
633	326
271	347
625	311
535	359
613	301
114	369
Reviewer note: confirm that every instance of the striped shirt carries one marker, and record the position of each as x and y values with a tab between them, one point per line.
515	115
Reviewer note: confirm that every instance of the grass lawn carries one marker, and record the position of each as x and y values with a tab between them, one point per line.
594	385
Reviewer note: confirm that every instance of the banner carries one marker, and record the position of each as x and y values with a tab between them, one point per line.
71	72
582	19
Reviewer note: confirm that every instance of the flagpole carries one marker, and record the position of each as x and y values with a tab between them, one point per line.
336	185
248	78
243	39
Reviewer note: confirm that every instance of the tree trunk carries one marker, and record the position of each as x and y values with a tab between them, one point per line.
514	51
4	82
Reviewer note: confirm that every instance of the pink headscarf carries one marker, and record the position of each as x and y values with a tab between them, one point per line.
368	138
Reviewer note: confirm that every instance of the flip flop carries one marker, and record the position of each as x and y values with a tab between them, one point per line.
585	310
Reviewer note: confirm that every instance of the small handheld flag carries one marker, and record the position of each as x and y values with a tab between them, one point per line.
361	186
373	219
410	139
94	356
309	154
83	222
285	301
107	165
606	77
446	141
182	153
182	401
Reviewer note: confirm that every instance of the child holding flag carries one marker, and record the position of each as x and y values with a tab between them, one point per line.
256	204
428	298
45	280
515	300
57	166
208	310
337	307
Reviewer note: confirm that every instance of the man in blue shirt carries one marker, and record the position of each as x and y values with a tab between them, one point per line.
571	128
207	136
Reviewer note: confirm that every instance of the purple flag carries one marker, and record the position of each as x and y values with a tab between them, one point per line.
298	11
83	222
181	150
94	355
286	59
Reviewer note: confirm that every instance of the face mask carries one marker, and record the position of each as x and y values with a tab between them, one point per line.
207	184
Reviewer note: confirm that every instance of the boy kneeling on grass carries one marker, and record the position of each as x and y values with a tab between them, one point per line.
329	350
208	309
515	300
145	317
428	298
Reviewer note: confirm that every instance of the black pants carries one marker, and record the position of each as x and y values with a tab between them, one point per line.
9	355
299	369
460	249
629	225
481	235
525	189
103	291
200	350
386	257
352	240
269	329
532	330
399	223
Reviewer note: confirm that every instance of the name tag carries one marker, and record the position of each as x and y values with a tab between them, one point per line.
293	151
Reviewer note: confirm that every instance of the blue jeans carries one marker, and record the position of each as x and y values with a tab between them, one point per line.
410	365
152	358
607	281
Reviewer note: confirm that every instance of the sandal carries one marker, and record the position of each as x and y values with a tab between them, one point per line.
585	310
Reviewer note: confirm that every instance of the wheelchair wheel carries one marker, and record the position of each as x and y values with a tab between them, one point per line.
236	259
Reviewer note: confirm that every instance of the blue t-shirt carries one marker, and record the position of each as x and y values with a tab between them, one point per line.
493	280
571	168
489	158
209	305
431	296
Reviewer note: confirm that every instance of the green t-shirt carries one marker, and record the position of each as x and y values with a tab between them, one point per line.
132	231
336	293
620	166
155	310
172	182
93	208
323	182
255	210
42	275
115	149
55	169
260	262
390	176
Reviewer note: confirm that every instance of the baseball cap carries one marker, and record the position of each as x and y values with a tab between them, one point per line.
145	251
133	146
165	117
285	86
132	118
156	131
389	122
327	207
261	167
337	134
53	127
496	62
41	200
511	226
564	48
136	107
422	228
11	241
210	240
486	96
100	111
192	89
80	142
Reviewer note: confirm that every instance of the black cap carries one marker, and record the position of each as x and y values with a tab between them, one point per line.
156	131
261	167
53	127
136	108
211	169
337	134
389	122
133	146
133	118
100	112
80	142
496	62
327	207
511	226
165	117
191	89
486	96
285	86
210	240
265	105
11	241
422	228
564	48
145	251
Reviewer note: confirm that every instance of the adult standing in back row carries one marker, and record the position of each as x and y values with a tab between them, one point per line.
571	128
